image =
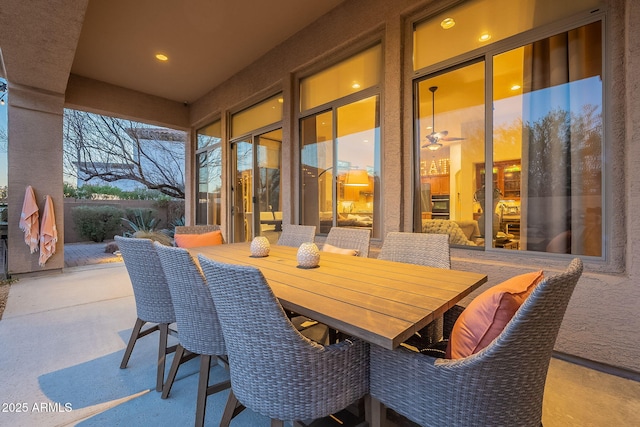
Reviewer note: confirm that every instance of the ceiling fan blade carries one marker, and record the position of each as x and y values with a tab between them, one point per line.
452	138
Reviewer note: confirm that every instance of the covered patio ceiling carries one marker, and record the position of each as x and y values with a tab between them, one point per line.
42	42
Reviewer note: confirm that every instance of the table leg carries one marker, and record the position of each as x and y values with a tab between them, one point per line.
375	412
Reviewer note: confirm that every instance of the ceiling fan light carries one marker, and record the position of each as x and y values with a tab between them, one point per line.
434	146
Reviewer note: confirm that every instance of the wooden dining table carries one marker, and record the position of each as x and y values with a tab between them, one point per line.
381	302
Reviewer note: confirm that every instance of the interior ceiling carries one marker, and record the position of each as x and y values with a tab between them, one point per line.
207	41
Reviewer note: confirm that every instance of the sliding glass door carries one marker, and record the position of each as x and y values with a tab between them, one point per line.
256	199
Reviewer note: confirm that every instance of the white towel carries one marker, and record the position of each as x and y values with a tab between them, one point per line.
48	232
29	220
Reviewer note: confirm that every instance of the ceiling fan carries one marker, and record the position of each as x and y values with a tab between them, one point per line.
434	137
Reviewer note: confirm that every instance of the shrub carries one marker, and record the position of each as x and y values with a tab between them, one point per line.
97	222
69	190
98	192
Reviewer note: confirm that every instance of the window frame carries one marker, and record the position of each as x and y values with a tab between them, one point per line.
333	106
206	150
487	54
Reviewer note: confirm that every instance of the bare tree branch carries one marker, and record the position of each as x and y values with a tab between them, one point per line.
111	150
3	140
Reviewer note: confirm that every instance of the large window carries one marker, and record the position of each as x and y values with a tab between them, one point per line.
509	143
256	156
450	129
340	140
209	174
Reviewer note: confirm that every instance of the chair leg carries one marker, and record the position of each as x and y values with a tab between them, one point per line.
203	383
231	409
162	353
177	360
277	423
132	342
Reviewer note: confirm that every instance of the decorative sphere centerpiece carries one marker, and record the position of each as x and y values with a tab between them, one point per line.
308	255
260	246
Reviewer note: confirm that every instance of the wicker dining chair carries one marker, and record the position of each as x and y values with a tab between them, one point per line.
200	332
152	298
295	235
195	229
431	250
350	238
275	371
502	384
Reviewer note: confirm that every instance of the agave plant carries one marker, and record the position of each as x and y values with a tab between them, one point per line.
141	220
176	222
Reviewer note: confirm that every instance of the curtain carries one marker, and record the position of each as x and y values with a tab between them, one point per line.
562	139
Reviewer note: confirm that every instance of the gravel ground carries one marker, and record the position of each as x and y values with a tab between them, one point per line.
4	294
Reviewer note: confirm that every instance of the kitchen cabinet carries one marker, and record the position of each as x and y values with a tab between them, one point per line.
439	184
506	177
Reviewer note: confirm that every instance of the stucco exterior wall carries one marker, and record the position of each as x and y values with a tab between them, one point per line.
601	322
35	158
102	98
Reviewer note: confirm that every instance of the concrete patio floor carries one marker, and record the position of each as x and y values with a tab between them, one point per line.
63	336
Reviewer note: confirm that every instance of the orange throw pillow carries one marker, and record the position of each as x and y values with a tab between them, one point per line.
194	240
488	314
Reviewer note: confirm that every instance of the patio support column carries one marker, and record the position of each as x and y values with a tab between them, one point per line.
35	120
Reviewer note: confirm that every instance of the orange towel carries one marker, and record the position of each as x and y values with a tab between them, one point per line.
29	220
48	232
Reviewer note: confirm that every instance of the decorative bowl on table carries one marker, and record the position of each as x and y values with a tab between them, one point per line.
260	247
308	255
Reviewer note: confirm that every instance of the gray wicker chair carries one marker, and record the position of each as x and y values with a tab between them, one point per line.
275	371
350	238
195	229
503	384
152	297
295	235
431	250
200	332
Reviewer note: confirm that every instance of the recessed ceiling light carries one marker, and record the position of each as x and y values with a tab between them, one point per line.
515	87
447	23
356	85
162	57
280	100
485	37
